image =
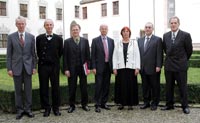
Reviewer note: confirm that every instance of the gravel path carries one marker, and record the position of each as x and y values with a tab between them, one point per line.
113	116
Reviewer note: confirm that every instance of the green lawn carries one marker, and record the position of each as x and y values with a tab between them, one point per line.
6	82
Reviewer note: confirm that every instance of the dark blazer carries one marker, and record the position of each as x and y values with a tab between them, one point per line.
54	49
98	55
153	56
17	57
69	58
177	53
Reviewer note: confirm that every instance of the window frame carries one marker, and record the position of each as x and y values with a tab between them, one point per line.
84	12
23	8
59	15
115	7
104	9
3	40
42	14
3	8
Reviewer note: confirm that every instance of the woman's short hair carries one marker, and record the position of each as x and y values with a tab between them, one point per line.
126	28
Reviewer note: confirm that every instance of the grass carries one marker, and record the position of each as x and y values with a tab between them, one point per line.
6	82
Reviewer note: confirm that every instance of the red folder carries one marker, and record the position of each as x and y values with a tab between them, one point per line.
85	67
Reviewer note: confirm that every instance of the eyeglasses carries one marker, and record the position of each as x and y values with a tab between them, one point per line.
148	27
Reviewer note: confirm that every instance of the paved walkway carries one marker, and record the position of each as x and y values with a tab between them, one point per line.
113	116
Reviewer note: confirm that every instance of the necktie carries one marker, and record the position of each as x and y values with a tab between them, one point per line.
173	37
77	41
21	40
146	44
105	49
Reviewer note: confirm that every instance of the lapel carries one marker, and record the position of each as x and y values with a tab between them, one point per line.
26	41
142	44
150	41
109	45
100	43
16	35
82	44
178	36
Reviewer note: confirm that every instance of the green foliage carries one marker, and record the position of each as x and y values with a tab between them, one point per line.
8	103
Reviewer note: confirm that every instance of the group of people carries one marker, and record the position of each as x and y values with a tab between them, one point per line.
125	59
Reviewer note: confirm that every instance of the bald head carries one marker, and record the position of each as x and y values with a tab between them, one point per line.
48	25
103	29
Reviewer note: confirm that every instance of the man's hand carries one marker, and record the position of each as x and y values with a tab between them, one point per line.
67	73
158	69
34	71
10	73
94	71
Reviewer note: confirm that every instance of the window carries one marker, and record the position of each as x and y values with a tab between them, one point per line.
85	35
84	12
2	8
170	9
42	12
24	10
59	14
77	12
3	40
116	8
103	9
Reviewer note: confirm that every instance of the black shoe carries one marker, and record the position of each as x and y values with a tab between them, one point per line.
86	108
153	107
146	105
97	109
120	107
71	109
57	112
19	116
167	108
46	112
130	108
105	107
186	110
29	114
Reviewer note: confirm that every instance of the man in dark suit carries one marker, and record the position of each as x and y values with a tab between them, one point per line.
151	54
101	55
177	46
76	60
21	64
49	50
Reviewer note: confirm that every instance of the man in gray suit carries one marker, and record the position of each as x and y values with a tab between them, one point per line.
151	54
21	64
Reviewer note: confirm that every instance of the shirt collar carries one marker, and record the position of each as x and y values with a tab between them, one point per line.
21	33
76	38
148	36
102	37
175	32
49	34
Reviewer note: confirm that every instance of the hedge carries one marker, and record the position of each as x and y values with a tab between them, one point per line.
8	102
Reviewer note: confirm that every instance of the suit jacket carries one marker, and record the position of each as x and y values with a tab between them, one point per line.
177	53
98	55
133	56
49	51
153	56
68	54
18	56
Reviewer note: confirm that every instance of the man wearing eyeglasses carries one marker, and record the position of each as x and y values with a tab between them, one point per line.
151	54
76	64
177	46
